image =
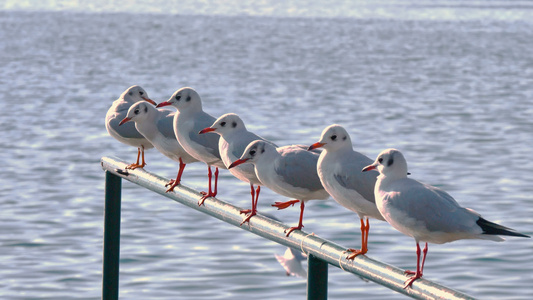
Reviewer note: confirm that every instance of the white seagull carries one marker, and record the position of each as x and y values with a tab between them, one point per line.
128	134
289	171
425	212
156	126
234	137
188	121
339	168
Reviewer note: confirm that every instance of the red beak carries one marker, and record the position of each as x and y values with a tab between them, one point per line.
368	168
150	101
124	121
166	103
205	130
237	162
315	145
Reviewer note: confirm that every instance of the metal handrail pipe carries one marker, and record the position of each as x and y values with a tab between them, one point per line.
386	275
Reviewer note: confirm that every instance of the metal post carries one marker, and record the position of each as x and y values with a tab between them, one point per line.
317	278
113	187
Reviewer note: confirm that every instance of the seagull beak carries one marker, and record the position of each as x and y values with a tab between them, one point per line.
149	101
205	130
368	168
237	162
166	103
315	145
124	121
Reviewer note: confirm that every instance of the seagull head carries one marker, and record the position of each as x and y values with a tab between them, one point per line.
389	163
136	93
184	99
138	112
333	137
226	124
253	153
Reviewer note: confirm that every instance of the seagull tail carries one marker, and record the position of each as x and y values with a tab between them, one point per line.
491	228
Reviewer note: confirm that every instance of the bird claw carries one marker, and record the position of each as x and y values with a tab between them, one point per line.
283	205
248	217
206	195
288	231
354	253
409	282
172	184
134	166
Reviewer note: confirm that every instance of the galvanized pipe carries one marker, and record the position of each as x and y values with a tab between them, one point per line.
111	256
317	278
364	266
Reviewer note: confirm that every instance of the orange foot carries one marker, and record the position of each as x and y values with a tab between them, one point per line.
135	166
409	282
172	183
206	195
247	219
355	252
288	231
283	205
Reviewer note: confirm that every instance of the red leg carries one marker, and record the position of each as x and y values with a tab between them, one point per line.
364	241
252	192
252	212
216	183
142	153
135	165
419	267
173	183
210	193
300	222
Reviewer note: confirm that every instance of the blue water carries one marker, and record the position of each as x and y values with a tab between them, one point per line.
449	84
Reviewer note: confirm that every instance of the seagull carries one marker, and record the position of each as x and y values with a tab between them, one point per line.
289	171
128	134
425	212
339	168
156	126
188	121
291	261
234	137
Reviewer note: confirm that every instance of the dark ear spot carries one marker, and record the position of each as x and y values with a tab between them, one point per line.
263	150
146	109
188	98
390	162
344	138
234	124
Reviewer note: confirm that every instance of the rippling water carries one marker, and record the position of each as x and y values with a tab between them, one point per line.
455	95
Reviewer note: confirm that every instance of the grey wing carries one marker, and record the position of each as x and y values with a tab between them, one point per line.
298	166
209	141
165	124
351	177
126	130
435	208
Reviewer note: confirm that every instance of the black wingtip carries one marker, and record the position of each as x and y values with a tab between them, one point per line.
489	227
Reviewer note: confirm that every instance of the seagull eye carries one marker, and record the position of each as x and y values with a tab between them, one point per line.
141	93
136	111
380	159
252	152
333	137
223	124
178	97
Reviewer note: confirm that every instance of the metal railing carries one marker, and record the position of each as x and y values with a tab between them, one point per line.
320	251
